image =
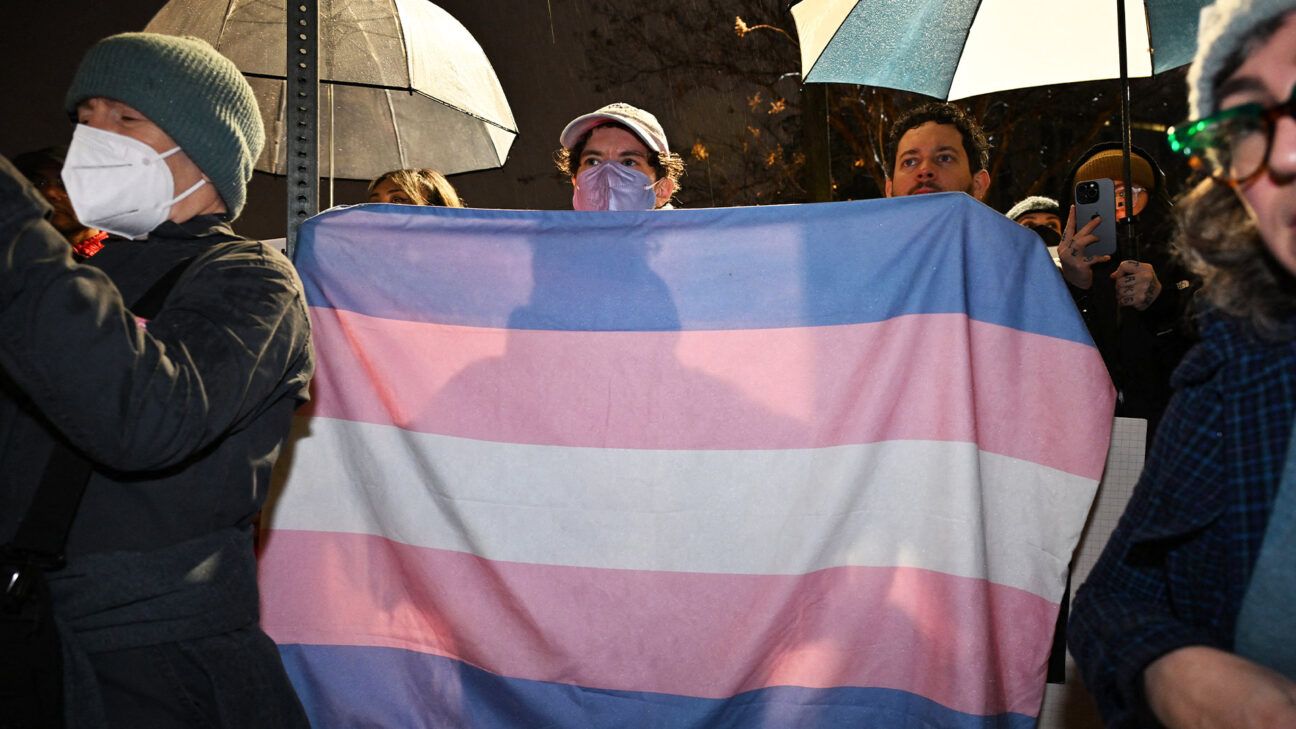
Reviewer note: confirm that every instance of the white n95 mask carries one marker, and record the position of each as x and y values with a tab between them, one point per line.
119	184
613	186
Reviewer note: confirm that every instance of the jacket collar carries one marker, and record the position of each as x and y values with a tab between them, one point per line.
200	226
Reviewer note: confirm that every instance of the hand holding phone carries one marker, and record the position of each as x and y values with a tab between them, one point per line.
1097	199
1076	259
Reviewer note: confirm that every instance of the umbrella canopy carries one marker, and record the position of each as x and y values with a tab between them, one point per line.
953	49
404	84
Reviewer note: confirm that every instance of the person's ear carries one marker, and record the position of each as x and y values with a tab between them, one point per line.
887	188
664	188
980	184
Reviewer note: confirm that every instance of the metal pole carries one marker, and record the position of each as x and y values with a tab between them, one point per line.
301	86
814	130
1126	335
1129	241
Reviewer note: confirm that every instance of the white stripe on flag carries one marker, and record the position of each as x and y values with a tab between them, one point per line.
935	505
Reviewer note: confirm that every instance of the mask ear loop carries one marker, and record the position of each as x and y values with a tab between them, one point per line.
662	181
192	188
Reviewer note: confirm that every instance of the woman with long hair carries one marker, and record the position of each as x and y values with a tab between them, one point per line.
414	187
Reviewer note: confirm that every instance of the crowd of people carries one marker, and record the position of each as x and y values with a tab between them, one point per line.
146	389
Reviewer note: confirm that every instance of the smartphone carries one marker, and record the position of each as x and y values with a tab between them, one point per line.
1097	198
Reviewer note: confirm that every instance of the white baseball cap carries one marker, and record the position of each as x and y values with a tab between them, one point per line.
643	124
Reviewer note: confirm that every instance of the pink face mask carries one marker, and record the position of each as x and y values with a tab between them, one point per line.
612	186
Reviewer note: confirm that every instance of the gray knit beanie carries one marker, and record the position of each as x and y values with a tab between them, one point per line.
196	95
1034	204
1221	31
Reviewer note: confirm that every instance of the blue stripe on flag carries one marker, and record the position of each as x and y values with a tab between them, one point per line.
724	268
366	686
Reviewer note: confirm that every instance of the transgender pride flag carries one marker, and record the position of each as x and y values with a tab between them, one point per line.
794	466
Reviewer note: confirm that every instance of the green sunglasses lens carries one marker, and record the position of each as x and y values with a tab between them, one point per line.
1233	141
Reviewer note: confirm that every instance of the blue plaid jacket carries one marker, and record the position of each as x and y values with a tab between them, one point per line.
1177	567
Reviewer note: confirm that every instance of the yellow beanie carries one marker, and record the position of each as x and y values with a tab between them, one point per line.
1107	163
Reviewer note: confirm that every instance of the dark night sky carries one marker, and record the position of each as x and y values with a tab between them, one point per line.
543	74
534	46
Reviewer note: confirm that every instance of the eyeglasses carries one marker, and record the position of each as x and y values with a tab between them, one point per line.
1234	142
1136	190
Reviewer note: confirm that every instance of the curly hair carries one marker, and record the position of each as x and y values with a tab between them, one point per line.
422	186
1218	240
975	144
667	165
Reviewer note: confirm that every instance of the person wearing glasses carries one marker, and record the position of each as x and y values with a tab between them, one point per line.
1188	619
1134	309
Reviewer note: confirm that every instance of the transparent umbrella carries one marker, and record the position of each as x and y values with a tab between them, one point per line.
403	84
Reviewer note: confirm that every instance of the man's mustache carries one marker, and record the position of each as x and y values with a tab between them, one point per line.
924	187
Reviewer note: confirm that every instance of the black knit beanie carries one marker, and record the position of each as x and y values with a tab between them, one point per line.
192	92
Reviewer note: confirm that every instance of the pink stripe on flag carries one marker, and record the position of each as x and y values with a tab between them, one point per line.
908	378
971	645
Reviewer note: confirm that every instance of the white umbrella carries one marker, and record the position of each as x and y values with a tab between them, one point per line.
953	49
403	84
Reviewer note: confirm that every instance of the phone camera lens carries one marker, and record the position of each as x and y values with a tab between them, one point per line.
1087	192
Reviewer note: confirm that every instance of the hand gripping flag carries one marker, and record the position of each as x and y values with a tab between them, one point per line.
791	466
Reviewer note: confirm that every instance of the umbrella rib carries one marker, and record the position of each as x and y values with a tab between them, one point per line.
332	82
840	25
279	131
405	48
1147	26
381	87
966	36
400	146
220	34
466	112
